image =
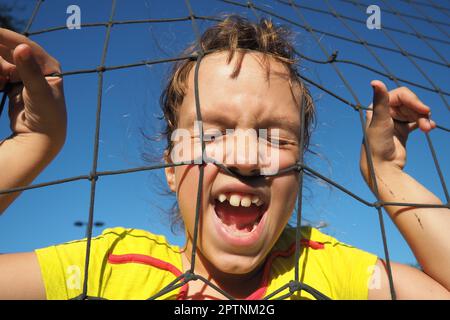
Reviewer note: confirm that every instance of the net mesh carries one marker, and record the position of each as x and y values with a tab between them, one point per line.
297	20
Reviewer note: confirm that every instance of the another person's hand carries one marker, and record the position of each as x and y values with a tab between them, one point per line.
395	115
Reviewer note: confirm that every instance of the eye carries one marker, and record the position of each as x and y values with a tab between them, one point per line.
212	136
209	137
278	141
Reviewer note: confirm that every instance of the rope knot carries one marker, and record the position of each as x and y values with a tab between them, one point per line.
294	286
378	204
190	276
92	176
333	57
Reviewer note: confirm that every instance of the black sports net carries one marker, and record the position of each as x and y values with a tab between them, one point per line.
297	20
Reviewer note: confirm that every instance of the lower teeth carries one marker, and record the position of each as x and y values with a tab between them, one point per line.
235	231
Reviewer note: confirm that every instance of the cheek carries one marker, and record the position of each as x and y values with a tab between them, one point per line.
186	178
276	159
284	194
288	158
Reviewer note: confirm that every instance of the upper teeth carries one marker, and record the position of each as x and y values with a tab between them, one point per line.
236	200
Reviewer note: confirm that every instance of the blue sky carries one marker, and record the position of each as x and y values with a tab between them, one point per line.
45	216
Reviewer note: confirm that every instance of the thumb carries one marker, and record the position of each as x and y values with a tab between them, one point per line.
30	73
380	103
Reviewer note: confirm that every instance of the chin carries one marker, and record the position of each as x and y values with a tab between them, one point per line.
235	264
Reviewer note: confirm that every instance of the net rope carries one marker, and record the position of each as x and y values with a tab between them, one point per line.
295	285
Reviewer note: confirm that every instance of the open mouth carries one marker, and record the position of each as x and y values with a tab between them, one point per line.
239	214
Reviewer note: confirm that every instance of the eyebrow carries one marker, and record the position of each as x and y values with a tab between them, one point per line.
218	117
281	122
221	118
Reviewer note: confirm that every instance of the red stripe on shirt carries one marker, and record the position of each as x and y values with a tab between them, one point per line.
261	292
257	295
151	261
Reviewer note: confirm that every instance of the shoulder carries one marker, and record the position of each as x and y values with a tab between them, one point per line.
111	243
129	233
126	243
141	240
329	250
120	240
123	264
337	269
310	238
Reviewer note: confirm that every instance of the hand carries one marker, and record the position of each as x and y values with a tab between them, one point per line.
395	115
37	106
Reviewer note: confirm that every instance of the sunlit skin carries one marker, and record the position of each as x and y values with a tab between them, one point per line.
250	101
38	123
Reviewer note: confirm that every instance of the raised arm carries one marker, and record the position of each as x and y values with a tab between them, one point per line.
36	111
396	114
38	128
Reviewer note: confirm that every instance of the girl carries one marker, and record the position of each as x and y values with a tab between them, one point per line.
247	81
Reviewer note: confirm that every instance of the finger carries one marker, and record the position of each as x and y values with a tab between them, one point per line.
380	103
30	73
369	116
413	126
9	71
424	124
6	53
433	124
6	69
12	39
405	97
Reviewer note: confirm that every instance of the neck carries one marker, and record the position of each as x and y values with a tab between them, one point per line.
230	283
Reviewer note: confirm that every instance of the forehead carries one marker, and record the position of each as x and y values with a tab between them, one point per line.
259	90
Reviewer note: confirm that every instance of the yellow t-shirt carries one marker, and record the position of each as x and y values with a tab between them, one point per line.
136	264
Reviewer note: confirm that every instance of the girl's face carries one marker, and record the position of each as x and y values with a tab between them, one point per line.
240	220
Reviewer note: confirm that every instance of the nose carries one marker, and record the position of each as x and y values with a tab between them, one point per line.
244	170
242	156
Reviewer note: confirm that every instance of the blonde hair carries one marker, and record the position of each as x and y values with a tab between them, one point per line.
236	34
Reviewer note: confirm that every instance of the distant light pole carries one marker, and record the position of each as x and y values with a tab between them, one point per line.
82	223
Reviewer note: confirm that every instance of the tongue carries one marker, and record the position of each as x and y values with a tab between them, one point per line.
241	217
